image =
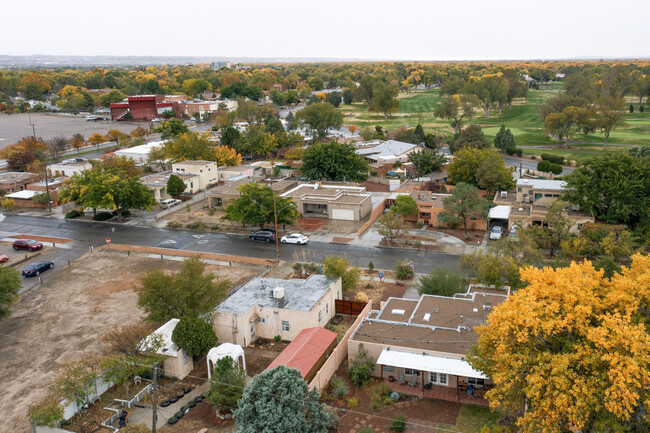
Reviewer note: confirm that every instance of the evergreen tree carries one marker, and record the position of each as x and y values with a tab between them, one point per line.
505	141
420	136
175	185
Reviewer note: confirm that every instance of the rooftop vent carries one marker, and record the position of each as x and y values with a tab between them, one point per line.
475	310
461	319
398	312
521	209
278	292
427	317
504	194
435	310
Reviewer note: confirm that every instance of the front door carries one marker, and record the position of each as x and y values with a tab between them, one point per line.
438	378
253	328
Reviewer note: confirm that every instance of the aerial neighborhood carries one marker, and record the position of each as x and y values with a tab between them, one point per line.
209	245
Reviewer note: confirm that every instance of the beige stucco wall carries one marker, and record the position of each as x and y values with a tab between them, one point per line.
160	193
207	174
527	221
527	191
225	323
178	366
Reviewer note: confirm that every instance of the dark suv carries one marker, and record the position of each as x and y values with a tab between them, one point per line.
263	235
27	244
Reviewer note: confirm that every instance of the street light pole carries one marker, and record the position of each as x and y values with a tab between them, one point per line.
277	242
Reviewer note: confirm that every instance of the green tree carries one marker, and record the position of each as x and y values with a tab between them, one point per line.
480	167
456	108
226	384
348	96
391	226
384	98
464	203
192	291
111	97
333	98
171	128
473	136
334	161
493	175
491	90
361	368
194	334
56	145
426	161
419	134
558	225
9	285
320	117
339	267
504	140
175	185
190	146
566	124
614	186
441	282
230	137
609	115
405	205
280	400
255	206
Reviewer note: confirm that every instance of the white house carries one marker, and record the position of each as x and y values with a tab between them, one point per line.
205	172
140	154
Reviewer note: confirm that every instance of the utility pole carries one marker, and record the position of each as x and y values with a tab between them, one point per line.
275	216
29	113
155	398
47	191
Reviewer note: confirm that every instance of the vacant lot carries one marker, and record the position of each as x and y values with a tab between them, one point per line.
14	127
67	315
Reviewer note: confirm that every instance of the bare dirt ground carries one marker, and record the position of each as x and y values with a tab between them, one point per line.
65	317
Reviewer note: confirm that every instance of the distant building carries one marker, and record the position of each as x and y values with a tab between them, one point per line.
220	64
13	181
140	154
386	152
141	107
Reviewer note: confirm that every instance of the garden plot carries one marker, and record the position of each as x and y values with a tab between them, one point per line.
65	317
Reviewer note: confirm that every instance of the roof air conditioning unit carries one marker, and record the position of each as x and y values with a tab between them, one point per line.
504	194
278	292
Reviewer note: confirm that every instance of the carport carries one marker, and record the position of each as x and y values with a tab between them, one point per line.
499	215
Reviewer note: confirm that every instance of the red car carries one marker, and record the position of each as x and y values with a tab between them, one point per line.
27	244
3	258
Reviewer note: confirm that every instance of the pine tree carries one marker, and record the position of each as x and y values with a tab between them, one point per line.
420	136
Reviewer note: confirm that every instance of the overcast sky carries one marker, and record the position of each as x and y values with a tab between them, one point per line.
377	29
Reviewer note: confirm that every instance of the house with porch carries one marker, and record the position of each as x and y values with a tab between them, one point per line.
419	345
340	202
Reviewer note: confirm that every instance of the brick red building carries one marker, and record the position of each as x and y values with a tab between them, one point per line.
141	107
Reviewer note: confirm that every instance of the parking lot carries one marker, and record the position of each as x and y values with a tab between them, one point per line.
47	125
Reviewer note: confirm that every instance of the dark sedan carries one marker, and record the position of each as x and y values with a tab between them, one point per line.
35	269
263	235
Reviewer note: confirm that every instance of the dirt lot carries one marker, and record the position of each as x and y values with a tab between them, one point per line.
64	317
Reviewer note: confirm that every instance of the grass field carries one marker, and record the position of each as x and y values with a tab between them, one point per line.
522	119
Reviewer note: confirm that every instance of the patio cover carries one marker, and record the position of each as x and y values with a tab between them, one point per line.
499	213
424	362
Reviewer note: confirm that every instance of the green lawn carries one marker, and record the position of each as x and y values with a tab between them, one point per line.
522	119
472	418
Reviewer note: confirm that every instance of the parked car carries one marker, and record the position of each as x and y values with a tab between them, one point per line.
157	119
27	245
35	269
295	238
3	258
263	235
247	158
166	204
91	118
496	233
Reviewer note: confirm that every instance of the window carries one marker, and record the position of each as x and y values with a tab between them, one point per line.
518	189
425	215
261	320
411	372
474	381
285	326
320	316
442	378
327	308
389	368
433	377
538	195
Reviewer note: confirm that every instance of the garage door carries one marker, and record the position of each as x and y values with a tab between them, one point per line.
343	214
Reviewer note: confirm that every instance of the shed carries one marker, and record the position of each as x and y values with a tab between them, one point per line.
307	352
177	362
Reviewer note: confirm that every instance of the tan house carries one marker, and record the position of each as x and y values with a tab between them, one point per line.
227	172
13	181
223	195
270	307
339	202
205	172
177	362
157	184
68	169
419	345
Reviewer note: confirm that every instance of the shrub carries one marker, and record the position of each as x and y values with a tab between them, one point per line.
335	382
341	391
418	243
394	396
214	227
352	403
103	216
556	159
196	225
212	211
533	157
277	339
8	203
380	396
555	168
519	152
441	282
297	268
74	213
419	224
125	213
366	430
362	367
403	270
361	297
371	266
174	224
399	424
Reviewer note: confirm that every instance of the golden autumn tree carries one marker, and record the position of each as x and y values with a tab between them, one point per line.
571	351
226	155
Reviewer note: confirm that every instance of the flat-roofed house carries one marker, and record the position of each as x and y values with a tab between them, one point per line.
339	202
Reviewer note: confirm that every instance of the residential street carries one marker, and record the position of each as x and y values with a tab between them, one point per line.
85	234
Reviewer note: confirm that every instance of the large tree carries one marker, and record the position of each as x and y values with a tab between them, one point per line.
9	285
558	225
571	350
493	175
190	146
334	161
384	98
463	204
57	145
390	226
226	155
194	334
426	161
171	128
609	115
504	140
614	186
567	123
405	205
480	167
279	400
320	117
192	290
226	384
255	206
491	90
175	185
456	108
473	136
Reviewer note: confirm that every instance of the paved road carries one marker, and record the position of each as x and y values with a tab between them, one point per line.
85	234
529	164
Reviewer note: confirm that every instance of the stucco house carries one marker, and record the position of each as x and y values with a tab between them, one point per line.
177	362
421	344
226	172
338	202
268	307
205	172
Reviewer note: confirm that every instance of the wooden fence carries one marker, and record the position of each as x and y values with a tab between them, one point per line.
352	308
376	213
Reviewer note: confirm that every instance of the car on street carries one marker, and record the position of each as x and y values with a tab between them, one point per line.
263	235
294	238
3	258
27	245
91	118
496	233
166	204
35	269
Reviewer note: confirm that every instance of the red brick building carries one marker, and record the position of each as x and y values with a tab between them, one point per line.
141	107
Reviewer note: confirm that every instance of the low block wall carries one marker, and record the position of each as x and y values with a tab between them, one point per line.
183	253
338	355
376	213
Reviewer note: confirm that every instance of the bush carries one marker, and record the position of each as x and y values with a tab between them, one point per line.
419	224
555	168
341	391
399	424
366	430
519	152
352	402
403	270
125	213
103	216
418	243
441	282
277	339
214	227
196	225
394	396
194	335
543	166
174	224
8	203
211	211
380	396
371	266
74	213
555	159
362	367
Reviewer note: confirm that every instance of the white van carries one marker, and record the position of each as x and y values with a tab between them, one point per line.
166	204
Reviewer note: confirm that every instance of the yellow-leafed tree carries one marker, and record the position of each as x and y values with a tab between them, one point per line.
571	351
226	155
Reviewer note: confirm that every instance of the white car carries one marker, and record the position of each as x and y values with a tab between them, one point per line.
496	233
166	204
295	238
